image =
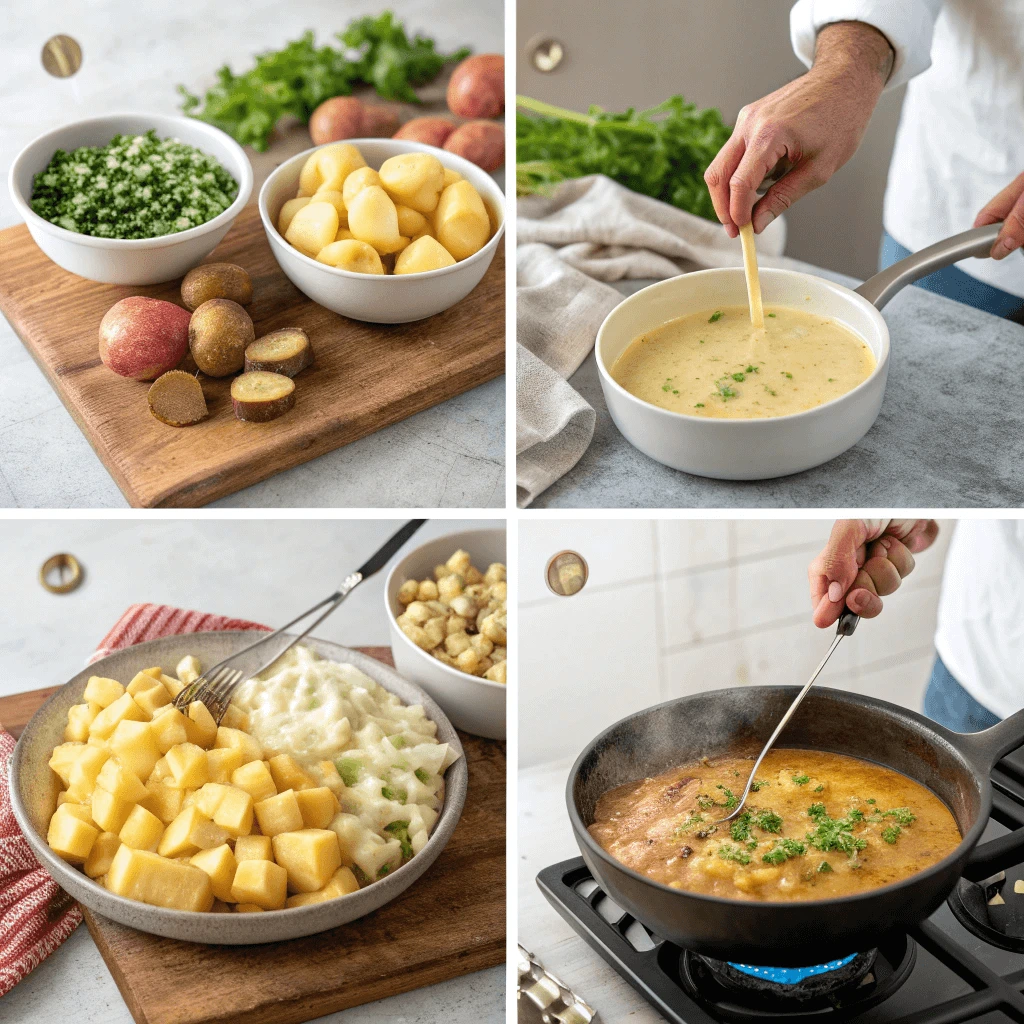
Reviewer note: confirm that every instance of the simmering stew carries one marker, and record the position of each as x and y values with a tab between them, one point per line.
818	825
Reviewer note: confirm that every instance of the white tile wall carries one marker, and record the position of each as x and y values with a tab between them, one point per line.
678	606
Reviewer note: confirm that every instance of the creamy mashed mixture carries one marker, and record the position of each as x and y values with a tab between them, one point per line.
380	756
714	364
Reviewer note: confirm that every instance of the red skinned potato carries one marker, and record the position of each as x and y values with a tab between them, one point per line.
477	86
345	117
480	142
142	338
433	131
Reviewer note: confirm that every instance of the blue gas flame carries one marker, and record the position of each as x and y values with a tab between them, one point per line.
791	975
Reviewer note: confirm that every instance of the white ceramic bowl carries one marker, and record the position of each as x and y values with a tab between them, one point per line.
389	298
754	449
131	261
34	793
473	704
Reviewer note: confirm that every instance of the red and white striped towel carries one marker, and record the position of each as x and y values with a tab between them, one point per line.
36	914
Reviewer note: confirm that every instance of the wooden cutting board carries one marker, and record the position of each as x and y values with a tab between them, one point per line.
366	376
448	923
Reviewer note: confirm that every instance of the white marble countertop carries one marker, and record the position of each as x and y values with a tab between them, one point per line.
134	55
194	564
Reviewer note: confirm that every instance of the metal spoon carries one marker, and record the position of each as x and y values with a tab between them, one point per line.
845	627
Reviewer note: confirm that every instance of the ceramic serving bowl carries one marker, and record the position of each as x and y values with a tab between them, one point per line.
34	788
131	261
759	449
474	704
388	298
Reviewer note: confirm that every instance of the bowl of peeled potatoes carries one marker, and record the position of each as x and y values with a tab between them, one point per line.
382	230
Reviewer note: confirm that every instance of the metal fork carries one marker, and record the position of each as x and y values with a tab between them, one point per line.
216	685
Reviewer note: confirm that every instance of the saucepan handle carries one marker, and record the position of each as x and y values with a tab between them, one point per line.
986	747
878	290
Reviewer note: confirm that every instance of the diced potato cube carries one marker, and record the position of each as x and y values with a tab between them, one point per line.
163	800
134	746
279	814
155	671
287	773
261	882
426	253
235	811
142	681
187	763
200	725
304	899
248	908
342	882
255	779
145	876
121	781
318	806
80	717
152	699
352	255
142	829
70	837
169	729
414	180
461	220
313	227
222	762
174	686
310	856
253	848
161	771
81	811
219	864
102	691
235	718
189	669
101	854
63	757
190	832
122	709
208	798
110	812
250	748
220	907
84	772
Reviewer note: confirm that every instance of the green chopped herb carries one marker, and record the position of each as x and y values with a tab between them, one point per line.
816	811
751	844
693	819
752	369
675	392
824	867
739	377
313	704
871	800
801	779
728	852
771	314
831	380
384	869
855	814
834	834
400	831
715	317
891	834
771	391
422	775
903	815
758	785
725	390
349	769
389	793
699	405
819	789
785	373
782	850
397	742
768	821
740	828
730	798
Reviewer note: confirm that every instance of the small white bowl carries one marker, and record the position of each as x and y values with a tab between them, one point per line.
131	261
388	298
471	703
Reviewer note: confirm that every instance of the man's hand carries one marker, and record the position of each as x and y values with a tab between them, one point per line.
864	561
814	123
1008	207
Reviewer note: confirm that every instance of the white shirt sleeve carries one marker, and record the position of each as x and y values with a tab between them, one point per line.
907	25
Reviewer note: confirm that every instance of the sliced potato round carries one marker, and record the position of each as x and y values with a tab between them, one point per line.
414	180
425	254
261	396
176	398
460	220
287	351
313	227
359	179
372	218
351	254
288	211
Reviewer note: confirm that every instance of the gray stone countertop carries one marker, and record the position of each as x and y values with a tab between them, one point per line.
950	433
134	55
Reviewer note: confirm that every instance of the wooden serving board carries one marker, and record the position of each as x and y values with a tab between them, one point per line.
448	923
366	376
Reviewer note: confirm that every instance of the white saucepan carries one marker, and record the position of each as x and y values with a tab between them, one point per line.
759	449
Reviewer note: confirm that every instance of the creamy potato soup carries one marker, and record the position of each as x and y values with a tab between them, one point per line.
817	826
714	364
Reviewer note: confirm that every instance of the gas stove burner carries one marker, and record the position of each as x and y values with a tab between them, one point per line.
993	909
838	989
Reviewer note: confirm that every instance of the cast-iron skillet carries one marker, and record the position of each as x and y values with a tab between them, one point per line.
955	766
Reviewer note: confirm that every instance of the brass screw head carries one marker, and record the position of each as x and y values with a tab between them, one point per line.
566	573
62	56
67	571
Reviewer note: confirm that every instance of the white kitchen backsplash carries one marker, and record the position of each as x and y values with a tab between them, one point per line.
678	606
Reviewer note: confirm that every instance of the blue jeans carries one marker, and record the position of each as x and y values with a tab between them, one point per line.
955	284
949	704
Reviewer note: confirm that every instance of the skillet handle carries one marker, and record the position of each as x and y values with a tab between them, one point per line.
989	745
878	290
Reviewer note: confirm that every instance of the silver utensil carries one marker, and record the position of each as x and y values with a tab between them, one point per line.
216	685
845	627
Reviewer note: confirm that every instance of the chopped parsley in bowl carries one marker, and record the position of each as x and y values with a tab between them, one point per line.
136	186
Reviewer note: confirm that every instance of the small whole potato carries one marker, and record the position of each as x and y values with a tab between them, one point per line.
345	117
411	222
372	218
142	337
218	334
480	142
216	281
460	220
290	208
477	86
352	255
430	130
329	166
358	180
313	227
336	199
424	254
414	180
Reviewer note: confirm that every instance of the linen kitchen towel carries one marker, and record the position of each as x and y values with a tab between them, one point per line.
589	232
36	914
